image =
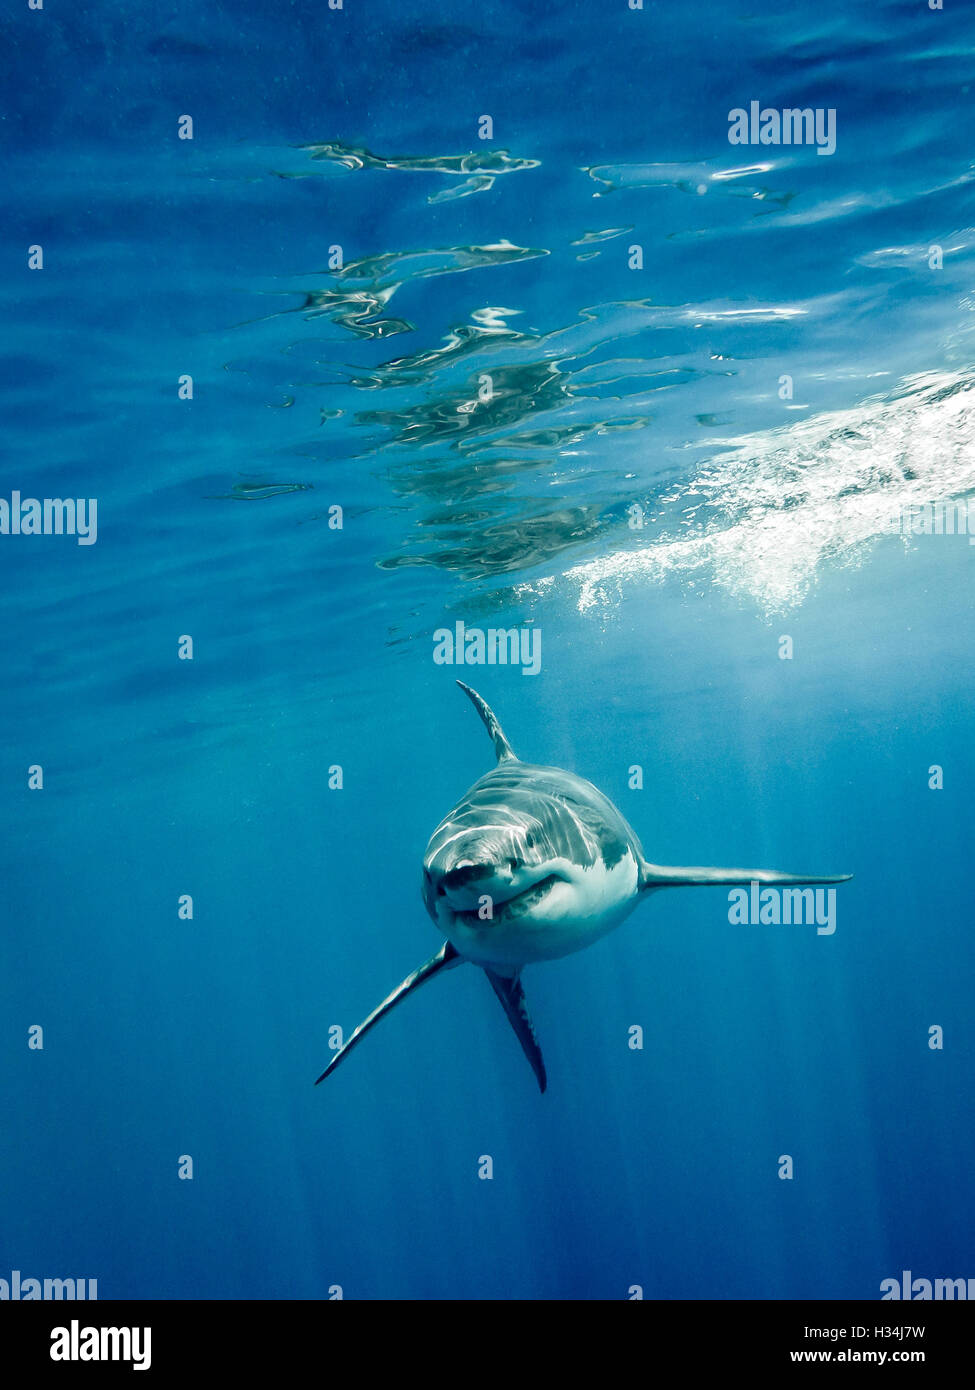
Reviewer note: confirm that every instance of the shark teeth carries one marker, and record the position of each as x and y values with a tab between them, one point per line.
512	908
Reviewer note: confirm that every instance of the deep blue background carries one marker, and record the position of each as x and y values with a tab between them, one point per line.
312	646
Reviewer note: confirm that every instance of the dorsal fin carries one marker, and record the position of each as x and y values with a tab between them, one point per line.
501	745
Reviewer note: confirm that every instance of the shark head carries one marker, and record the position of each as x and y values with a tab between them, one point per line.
494	868
525	867
502	863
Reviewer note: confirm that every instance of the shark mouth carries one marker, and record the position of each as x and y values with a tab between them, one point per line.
514	907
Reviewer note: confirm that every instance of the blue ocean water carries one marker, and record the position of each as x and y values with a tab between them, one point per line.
761	354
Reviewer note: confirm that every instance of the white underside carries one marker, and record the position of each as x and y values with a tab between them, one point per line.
573	913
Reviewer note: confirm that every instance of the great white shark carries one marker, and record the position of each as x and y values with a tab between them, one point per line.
532	864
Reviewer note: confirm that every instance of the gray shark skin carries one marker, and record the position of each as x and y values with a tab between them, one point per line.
532	864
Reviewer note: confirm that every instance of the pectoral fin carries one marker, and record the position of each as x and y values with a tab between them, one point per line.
443	960
660	876
512	998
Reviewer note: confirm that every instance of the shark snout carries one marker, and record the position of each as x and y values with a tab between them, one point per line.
466	873
464	885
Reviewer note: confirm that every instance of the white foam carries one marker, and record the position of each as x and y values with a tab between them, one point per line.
776	508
